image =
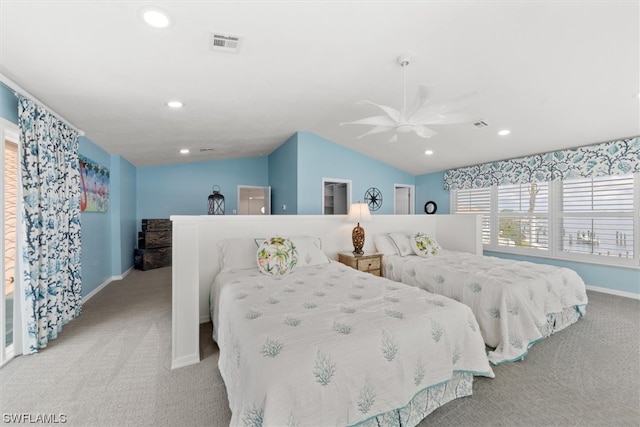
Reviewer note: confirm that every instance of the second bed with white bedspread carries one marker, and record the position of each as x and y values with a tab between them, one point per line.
516	303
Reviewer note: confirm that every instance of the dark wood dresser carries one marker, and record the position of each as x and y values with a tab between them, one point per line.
154	245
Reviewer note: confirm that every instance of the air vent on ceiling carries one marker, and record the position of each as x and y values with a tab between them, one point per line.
224	42
481	124
204	150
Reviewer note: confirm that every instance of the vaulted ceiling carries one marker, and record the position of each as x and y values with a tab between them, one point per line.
556	74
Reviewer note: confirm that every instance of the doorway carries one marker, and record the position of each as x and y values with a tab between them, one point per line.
336	196
9	197
403	201
254	200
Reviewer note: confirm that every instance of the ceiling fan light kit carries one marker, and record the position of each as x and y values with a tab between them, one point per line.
416	118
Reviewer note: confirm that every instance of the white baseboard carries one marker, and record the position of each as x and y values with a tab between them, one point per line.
183	361
613	292
105	283
205	319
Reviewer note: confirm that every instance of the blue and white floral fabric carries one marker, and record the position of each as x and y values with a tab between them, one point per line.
606	159
51	216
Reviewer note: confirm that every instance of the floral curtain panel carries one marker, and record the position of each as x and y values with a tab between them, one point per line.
606	159
51	245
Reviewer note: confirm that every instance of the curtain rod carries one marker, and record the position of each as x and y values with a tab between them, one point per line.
17	91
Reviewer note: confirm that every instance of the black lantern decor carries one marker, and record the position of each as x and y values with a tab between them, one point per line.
216	202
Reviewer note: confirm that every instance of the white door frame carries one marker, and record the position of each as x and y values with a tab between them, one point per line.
10	132
338	181
412	200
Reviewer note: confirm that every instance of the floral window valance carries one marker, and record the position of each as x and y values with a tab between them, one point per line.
609	158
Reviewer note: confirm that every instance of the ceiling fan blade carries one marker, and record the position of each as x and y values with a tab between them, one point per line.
427	112
375	129
447	119
460	102
391	112
373	121
424	132
421	100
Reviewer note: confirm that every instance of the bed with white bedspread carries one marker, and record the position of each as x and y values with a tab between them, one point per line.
329	345
516	303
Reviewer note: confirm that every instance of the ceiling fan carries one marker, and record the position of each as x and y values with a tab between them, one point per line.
419	117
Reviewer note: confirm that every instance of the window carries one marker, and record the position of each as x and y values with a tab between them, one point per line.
586	219
597	216
523	218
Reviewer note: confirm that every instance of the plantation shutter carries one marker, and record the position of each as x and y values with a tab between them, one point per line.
597	216
475	201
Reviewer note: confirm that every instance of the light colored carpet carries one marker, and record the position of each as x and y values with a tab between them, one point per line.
111	367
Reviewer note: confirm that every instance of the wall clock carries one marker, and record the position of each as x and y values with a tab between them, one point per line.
373	197
430	207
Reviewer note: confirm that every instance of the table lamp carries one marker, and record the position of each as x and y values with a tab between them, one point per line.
358	212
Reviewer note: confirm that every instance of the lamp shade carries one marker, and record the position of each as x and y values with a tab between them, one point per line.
359	212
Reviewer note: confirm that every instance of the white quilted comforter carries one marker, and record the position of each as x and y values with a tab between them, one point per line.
329	345
516	303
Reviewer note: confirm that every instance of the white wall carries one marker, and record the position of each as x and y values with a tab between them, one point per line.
195	254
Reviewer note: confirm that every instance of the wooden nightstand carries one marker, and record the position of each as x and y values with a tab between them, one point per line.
370	263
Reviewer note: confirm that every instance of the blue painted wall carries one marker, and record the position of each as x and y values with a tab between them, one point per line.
183	189
97	235
320	158
283	177
431	187
123	215
8	104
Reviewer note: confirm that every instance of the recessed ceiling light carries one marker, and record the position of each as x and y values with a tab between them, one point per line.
504	132
428	152
155	17
175	104
184	151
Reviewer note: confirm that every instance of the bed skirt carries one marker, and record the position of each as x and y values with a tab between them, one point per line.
558	321
424	403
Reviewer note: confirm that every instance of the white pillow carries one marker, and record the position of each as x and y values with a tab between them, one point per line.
309	250
384	245
277	256
425	246
237	253
402	243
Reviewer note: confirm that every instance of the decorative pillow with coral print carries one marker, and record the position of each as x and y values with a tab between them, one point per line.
424	245
277	256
